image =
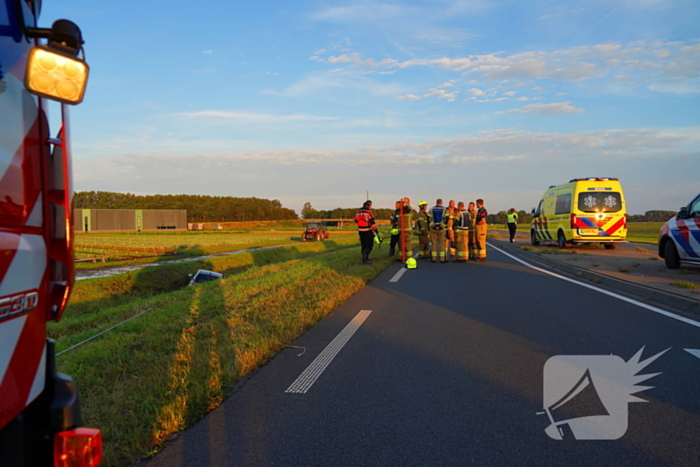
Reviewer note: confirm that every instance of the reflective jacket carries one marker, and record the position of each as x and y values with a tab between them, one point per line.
464	220
438	219
422	223
365	220
512	218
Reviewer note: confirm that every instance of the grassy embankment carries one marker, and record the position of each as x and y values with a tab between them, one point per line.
164	370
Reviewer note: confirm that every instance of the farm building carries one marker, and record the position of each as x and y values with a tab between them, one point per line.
100	220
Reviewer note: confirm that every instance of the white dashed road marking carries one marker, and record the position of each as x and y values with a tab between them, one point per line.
313	371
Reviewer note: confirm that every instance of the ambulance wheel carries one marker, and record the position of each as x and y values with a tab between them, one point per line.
561	239
610	246
673	261
533	238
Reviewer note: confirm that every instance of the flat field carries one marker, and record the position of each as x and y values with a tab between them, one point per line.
138	247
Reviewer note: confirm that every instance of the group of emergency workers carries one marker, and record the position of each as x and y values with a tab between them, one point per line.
444	232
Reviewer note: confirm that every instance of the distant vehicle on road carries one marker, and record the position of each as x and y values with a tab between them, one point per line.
585	210
679	240
313	231
204	276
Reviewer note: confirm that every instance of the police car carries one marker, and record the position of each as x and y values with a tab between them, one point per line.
679	240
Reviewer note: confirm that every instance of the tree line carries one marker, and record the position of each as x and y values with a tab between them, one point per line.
308	212
200	208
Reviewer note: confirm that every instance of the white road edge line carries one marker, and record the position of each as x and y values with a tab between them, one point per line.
693	352
401	272
612	294
309	376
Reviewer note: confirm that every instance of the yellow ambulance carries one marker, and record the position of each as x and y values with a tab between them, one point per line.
585	210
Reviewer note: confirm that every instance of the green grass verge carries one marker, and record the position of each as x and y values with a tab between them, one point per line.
91	304
163	371
685	285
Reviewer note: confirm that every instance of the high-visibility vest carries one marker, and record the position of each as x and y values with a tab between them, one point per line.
437	214
464	220
364	219
512	218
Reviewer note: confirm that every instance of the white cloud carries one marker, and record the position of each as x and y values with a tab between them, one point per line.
510	93
557	108
207	51
442	94
476	92
655	60
409	97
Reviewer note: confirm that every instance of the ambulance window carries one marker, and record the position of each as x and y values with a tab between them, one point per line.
599	201
563	204
539	208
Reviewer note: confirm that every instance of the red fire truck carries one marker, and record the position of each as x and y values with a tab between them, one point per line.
39	411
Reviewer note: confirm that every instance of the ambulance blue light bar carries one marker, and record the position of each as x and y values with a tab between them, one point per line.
594	179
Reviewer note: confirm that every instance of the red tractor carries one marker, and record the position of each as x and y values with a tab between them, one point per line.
314	231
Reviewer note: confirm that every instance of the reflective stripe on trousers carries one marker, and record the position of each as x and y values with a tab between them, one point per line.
461	244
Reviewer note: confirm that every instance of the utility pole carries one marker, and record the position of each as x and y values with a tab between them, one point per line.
402	239
368	194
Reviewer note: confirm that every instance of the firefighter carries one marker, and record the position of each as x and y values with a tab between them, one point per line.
366	227
438	224
451	219
394	221
480	228
407	227
422	230
472	232
512	223
462	227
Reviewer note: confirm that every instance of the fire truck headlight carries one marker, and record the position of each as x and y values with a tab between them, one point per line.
55	75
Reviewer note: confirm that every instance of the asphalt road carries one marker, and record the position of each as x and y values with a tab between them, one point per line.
448	369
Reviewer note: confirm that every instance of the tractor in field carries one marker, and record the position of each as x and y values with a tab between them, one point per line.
314	231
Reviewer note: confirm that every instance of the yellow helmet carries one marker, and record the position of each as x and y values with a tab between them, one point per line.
411	263
423	203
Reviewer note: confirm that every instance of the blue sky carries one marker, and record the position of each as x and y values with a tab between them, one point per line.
322	101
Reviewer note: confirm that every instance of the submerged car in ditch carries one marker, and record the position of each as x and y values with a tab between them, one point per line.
202	276
679	240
